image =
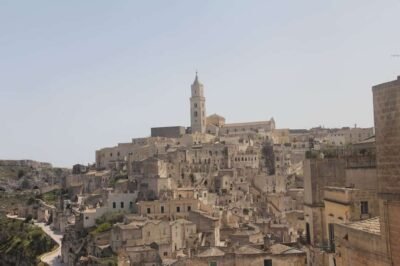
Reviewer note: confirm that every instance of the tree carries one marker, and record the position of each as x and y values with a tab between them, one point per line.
269	157
28	218
21	173
25	184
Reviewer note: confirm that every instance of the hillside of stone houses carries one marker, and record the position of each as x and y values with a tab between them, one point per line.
214	193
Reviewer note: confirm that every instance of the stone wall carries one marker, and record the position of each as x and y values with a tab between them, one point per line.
387	124
167	132
319	173
357	247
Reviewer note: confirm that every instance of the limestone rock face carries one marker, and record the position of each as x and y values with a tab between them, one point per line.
28	174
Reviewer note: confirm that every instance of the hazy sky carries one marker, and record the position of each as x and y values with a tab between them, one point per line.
76	76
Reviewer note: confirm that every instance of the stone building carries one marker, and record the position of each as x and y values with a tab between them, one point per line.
387	134
140	255
336	190
347	135
183	236
198	107
360	243
168	132
137	150
141	232
247	127
113	202
207	226
216	120
280	255
375	241
168	209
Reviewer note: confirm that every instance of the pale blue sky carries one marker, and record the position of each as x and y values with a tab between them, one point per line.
76	76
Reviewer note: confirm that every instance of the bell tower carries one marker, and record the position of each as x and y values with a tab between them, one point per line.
198	107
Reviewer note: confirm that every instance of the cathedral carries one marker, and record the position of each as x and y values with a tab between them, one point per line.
215	124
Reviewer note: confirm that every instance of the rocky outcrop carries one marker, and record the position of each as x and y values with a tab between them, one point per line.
28	174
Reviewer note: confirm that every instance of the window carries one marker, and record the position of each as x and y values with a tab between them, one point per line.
178	209
148	210
268	262
162	209
195	114
195	105
122	205
331	237
308	237
165	254
212	263
131	204
189	208
364	207
114	205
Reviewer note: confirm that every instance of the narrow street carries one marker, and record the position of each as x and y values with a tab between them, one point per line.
52	258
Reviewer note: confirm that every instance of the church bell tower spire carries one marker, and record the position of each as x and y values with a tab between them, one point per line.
198	107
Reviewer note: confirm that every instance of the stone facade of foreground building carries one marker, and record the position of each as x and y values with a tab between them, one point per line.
337	191
387	123
360	243
375	241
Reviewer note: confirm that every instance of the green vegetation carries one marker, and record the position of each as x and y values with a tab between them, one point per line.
22	243
104	227
50	197
109	261
269	157
113	180
112	218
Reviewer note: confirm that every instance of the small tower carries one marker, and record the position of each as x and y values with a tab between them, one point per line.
198	107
